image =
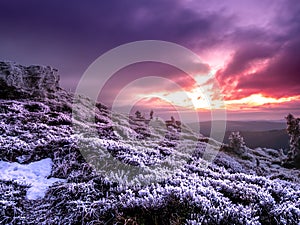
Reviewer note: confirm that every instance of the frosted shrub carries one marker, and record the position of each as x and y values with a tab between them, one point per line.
236	141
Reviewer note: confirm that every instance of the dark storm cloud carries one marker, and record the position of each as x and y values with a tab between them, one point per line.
282	76
245	56
71	34
279	44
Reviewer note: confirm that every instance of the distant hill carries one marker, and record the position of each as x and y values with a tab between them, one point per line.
270	139
270	134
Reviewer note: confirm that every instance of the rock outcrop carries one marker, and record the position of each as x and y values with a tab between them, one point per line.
17	81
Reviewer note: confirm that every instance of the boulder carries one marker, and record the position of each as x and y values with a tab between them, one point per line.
27	81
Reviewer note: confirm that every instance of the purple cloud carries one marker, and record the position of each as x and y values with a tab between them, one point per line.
70	36
278	43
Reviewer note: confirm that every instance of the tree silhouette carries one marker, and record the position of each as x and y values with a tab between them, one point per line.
293	130
151	114
138	114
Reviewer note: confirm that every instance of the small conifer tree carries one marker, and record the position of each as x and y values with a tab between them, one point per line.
293	130
236	142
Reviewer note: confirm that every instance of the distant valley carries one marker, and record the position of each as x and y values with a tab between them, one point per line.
269	134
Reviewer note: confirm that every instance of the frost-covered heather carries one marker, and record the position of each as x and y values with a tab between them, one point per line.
237	188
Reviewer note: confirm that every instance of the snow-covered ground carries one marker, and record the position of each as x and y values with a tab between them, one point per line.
33	174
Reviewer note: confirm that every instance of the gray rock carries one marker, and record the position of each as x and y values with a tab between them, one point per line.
29	81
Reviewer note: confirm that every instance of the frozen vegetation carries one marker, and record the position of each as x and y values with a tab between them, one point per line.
65	163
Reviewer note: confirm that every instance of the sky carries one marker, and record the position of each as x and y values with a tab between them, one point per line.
250	48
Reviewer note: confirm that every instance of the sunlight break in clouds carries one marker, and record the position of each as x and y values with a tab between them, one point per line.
257	100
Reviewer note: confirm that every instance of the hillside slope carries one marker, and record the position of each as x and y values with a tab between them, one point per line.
116	171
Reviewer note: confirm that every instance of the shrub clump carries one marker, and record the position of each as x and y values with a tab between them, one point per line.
237	143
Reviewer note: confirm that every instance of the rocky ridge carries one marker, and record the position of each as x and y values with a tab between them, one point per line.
17	81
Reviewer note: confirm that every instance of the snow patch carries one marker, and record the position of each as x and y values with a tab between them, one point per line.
34	174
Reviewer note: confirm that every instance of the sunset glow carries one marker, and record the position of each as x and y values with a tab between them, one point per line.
196	99
251	49
257	100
